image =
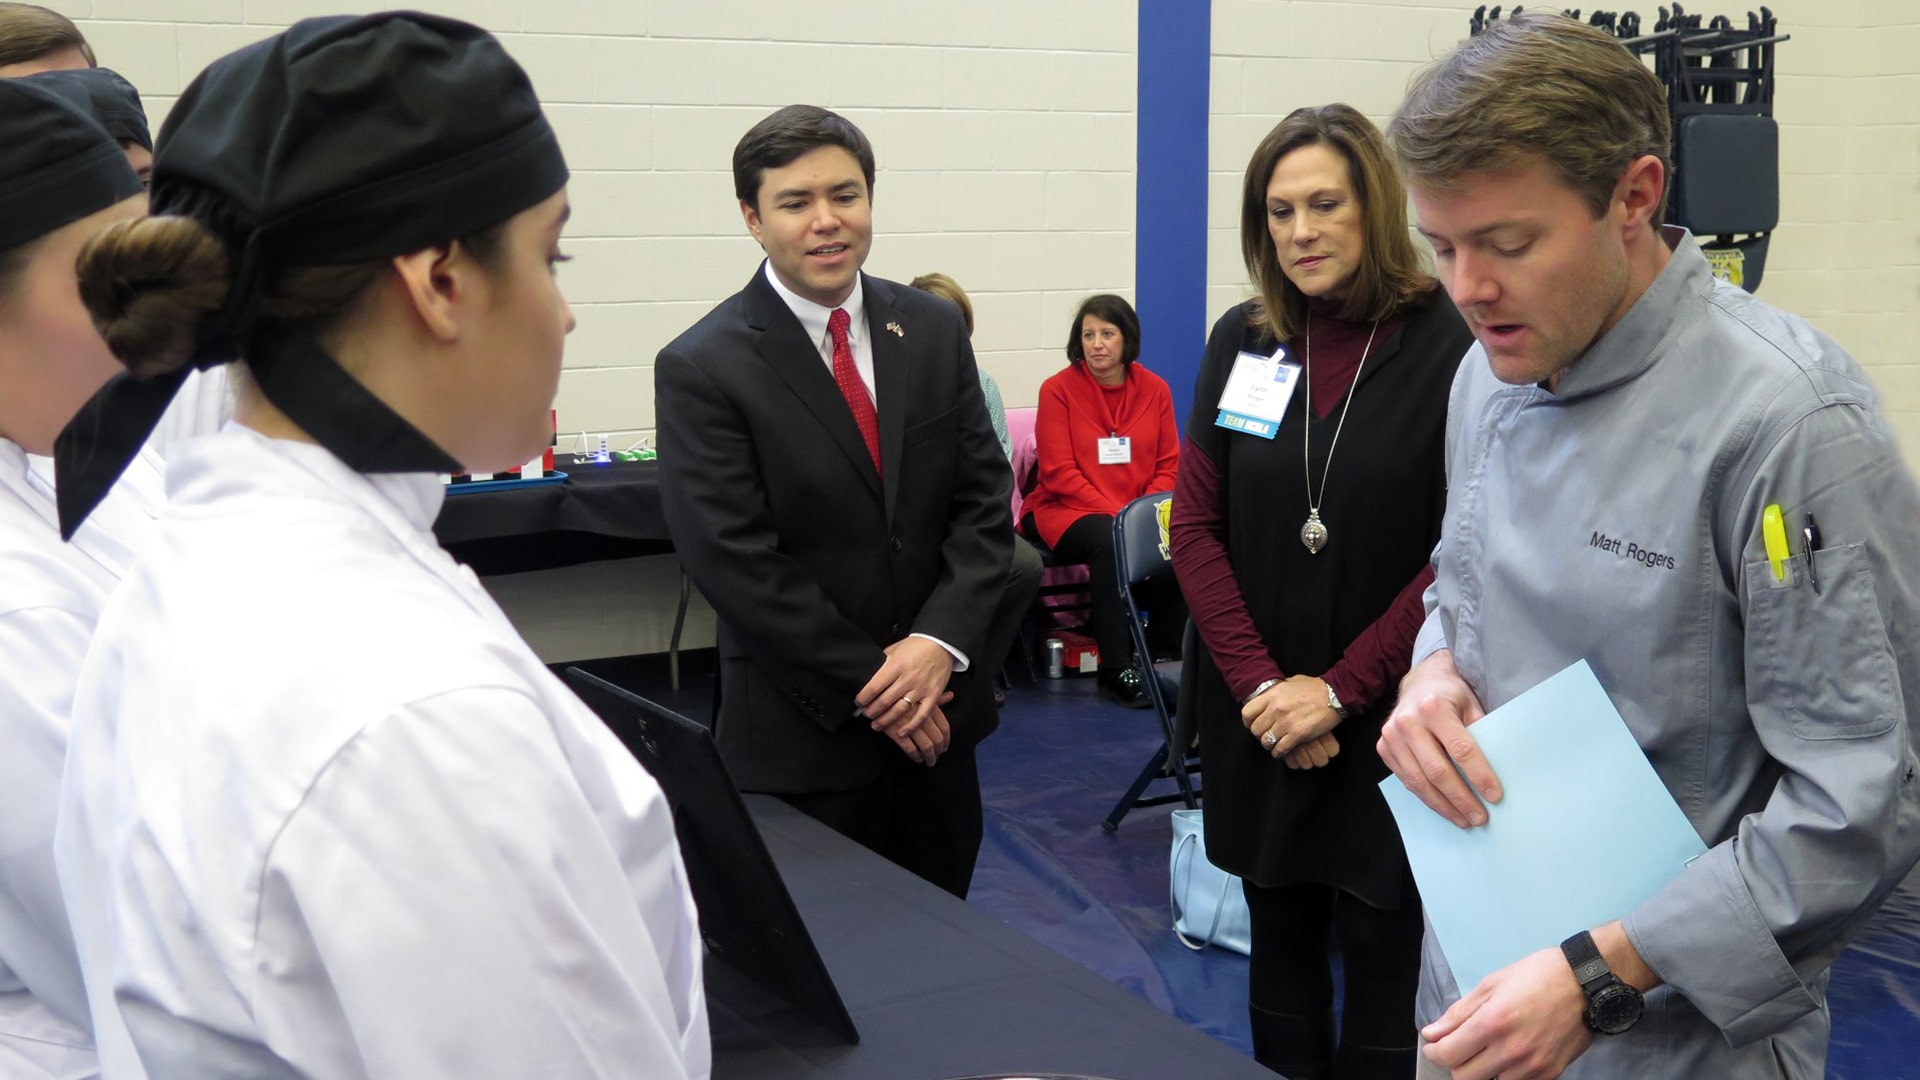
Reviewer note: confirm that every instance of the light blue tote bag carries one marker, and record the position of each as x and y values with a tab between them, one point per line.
1208	904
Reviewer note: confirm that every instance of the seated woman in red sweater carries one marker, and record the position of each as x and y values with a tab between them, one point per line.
1105	435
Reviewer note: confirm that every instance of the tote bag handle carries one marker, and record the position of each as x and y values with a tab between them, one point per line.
1188	844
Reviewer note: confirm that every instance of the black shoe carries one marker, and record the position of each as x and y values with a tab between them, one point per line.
1123	686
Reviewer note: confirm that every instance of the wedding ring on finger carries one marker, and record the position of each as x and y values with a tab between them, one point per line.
1270	740
910	702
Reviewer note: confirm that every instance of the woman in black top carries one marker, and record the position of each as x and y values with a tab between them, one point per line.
1301	536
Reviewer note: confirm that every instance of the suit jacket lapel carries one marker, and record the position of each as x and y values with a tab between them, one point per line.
783	345
888	331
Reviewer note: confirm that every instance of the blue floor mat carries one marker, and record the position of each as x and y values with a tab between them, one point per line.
1062	757
1060	760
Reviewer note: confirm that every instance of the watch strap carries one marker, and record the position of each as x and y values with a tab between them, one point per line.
1613	1005
1589	967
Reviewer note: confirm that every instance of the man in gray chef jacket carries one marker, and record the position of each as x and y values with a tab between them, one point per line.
1616	438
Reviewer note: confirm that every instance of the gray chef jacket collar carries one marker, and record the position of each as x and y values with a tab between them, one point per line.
1632	345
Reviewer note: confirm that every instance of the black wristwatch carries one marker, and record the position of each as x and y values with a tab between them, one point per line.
1612	1006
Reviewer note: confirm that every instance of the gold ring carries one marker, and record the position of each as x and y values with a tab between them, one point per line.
910	702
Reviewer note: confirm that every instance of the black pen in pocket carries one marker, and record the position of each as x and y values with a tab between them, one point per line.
1811	535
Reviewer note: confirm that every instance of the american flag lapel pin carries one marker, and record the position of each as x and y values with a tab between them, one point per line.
897	332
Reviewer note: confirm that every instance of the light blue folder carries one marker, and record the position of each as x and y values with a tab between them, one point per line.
1584	831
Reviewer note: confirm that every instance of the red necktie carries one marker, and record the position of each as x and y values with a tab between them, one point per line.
851	387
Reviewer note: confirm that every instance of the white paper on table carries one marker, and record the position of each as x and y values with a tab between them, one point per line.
1583	833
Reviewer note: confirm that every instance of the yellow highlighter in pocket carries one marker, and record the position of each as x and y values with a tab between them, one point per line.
1773	530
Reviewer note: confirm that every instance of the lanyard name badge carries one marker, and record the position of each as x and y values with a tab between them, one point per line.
1257	392
1115	449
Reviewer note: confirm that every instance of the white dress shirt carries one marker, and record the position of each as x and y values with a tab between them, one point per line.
813	319
327	816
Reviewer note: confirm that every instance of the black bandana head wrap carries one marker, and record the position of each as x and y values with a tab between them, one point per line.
342	140
57	164
105	96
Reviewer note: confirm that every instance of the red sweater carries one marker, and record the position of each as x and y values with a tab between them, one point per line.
1075	414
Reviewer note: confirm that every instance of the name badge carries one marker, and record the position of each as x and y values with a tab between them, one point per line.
1257	392
1116	451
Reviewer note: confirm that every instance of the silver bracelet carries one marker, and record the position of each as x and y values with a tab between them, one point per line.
1261	689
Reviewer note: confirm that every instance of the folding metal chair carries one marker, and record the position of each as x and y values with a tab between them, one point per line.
1142	551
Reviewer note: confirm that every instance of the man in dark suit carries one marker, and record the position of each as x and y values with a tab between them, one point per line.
833	486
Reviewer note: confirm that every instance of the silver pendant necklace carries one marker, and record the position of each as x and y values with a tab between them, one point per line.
1314	533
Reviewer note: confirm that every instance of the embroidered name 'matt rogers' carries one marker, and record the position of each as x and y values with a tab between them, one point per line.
1632	551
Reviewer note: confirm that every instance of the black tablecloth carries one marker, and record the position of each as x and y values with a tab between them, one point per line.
609	511
939	989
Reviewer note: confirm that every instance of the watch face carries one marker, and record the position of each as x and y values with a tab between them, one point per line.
1614	1009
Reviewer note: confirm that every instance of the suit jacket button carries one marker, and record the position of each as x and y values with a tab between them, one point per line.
897	545
894	630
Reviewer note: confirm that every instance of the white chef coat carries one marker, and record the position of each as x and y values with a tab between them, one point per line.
122	522
326	815
204	403
50	596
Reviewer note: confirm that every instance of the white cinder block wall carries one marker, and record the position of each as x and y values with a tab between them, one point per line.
1005	136
1847	253
1004	131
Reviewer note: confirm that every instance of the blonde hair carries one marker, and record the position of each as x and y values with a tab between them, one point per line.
945	287
1536	87
1390	274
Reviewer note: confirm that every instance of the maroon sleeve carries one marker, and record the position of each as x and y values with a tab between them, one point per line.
1198	524
1379	658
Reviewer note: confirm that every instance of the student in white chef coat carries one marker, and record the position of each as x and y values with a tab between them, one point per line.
62	179
116	529
206	400
325	814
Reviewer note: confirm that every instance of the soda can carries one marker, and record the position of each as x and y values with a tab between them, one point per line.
1056	658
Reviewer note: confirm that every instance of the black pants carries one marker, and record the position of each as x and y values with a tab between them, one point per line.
1090	540
924	820
1290	982
1023	582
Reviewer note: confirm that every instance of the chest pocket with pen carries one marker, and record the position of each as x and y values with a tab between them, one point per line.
1821	657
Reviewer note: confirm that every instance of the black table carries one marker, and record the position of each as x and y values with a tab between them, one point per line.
600	511
939	989
609	511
